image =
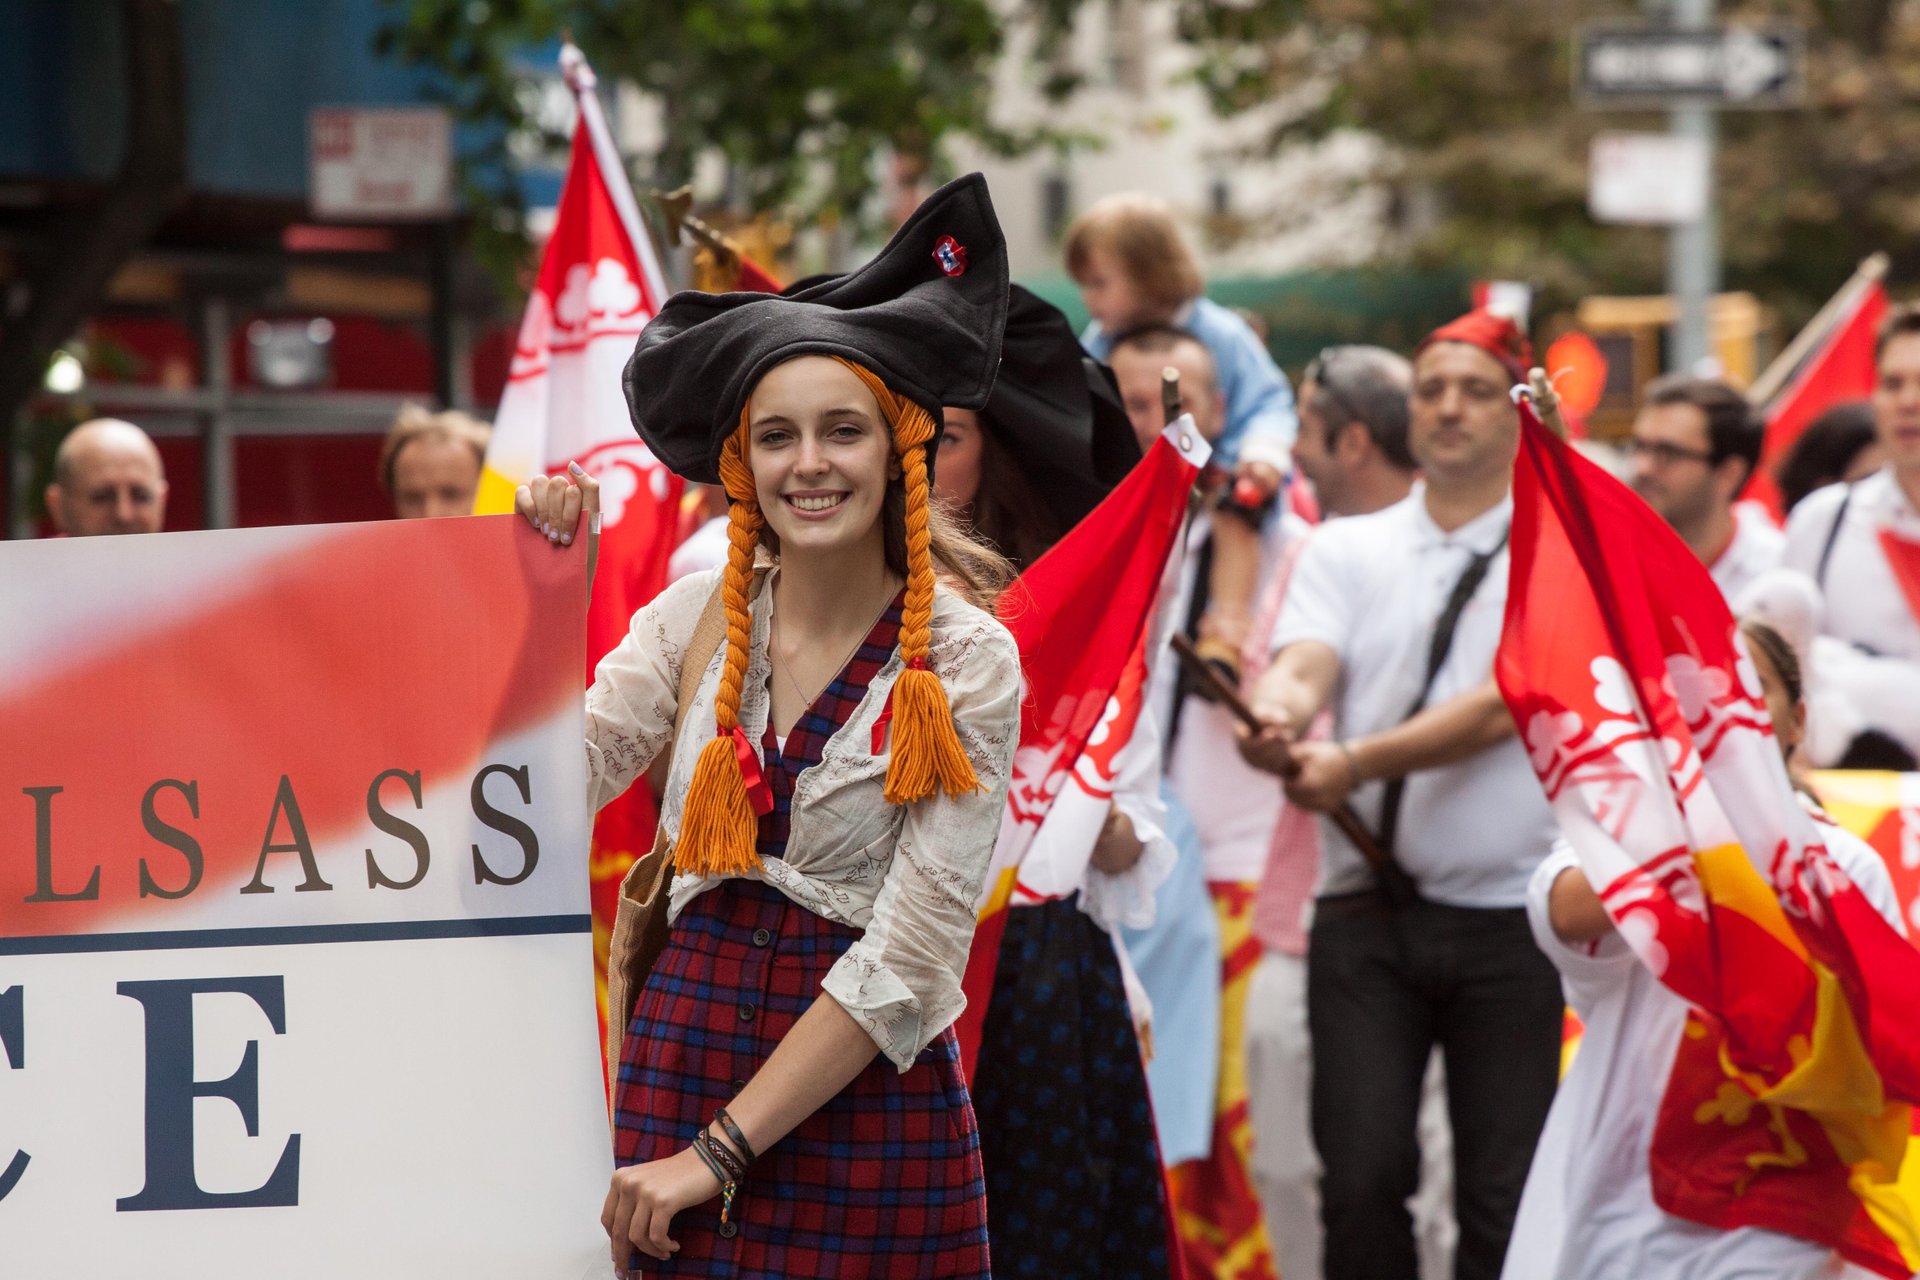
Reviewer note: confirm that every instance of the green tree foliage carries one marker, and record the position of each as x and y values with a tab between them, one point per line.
1489	152
801	97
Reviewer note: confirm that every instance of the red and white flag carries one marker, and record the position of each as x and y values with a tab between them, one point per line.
599	285
1082	615
1789	1103
1840	369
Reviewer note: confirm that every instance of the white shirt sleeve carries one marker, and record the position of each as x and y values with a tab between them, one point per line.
1868	871
1320	597
636	689
1126	900
901	980
1588	970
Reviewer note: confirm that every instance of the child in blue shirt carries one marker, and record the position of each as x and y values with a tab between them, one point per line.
1135	271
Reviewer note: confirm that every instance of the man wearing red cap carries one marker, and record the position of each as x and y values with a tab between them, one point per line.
1392	619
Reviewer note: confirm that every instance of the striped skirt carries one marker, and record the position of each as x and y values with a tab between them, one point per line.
884	1180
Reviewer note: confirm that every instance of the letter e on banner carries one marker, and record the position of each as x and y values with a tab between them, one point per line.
171	1181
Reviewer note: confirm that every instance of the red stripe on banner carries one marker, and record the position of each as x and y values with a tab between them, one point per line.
325	668
1886	838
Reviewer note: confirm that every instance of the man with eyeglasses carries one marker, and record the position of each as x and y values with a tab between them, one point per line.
1695	443
1357	458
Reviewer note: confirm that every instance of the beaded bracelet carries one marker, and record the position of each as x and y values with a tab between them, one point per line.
732	1130
729	1186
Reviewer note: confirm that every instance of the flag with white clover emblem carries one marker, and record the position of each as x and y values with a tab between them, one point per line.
599	285
1083	617
1789	1105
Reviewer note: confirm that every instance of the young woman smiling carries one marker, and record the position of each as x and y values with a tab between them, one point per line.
789	1099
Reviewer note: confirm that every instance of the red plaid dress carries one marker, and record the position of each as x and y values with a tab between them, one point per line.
884	1180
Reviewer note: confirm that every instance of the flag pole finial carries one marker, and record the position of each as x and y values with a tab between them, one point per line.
573	65
1539	391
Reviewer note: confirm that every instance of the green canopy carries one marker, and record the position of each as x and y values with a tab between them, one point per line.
1309	311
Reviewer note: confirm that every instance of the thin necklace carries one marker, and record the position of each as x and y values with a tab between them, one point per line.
806	700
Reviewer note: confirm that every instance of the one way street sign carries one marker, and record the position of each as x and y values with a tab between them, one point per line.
1749	67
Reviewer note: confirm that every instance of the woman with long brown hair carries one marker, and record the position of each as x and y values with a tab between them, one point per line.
1066	1128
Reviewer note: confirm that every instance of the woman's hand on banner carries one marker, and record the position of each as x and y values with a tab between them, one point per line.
554	505
643	1199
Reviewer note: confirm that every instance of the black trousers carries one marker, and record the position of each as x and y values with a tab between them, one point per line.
1384	986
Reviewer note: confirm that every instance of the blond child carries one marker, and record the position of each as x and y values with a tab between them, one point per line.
1135	271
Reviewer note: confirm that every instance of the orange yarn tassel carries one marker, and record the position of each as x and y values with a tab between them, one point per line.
717	824
926	748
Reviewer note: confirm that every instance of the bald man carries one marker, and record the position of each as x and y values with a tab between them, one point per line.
107	478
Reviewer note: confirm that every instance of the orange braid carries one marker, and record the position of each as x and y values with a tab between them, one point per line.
718	827
927	755
743	534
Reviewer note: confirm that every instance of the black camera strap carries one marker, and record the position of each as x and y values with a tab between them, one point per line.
1443	631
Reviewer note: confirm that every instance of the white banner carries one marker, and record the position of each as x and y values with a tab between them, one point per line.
296	973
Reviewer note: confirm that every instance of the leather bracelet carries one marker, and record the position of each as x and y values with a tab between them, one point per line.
719	1152
713	1165
1353	763
737	1138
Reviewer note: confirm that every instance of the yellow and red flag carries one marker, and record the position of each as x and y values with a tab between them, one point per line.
599	285
1081	615
1789	1105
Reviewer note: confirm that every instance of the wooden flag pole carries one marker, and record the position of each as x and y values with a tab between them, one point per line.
1227	696
1546	401
1774	378
677	208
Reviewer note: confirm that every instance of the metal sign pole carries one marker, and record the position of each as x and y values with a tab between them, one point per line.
1693	248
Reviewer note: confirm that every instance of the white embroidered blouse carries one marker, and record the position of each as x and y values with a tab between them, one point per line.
909	876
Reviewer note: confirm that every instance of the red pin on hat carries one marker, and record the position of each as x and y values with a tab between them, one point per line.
951	255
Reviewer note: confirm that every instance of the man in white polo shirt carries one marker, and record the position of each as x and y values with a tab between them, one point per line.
1695	443
1392	619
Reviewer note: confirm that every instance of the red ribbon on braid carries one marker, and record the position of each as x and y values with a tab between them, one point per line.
759	794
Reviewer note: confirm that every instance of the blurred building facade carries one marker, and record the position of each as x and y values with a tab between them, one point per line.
266	349
1250	213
